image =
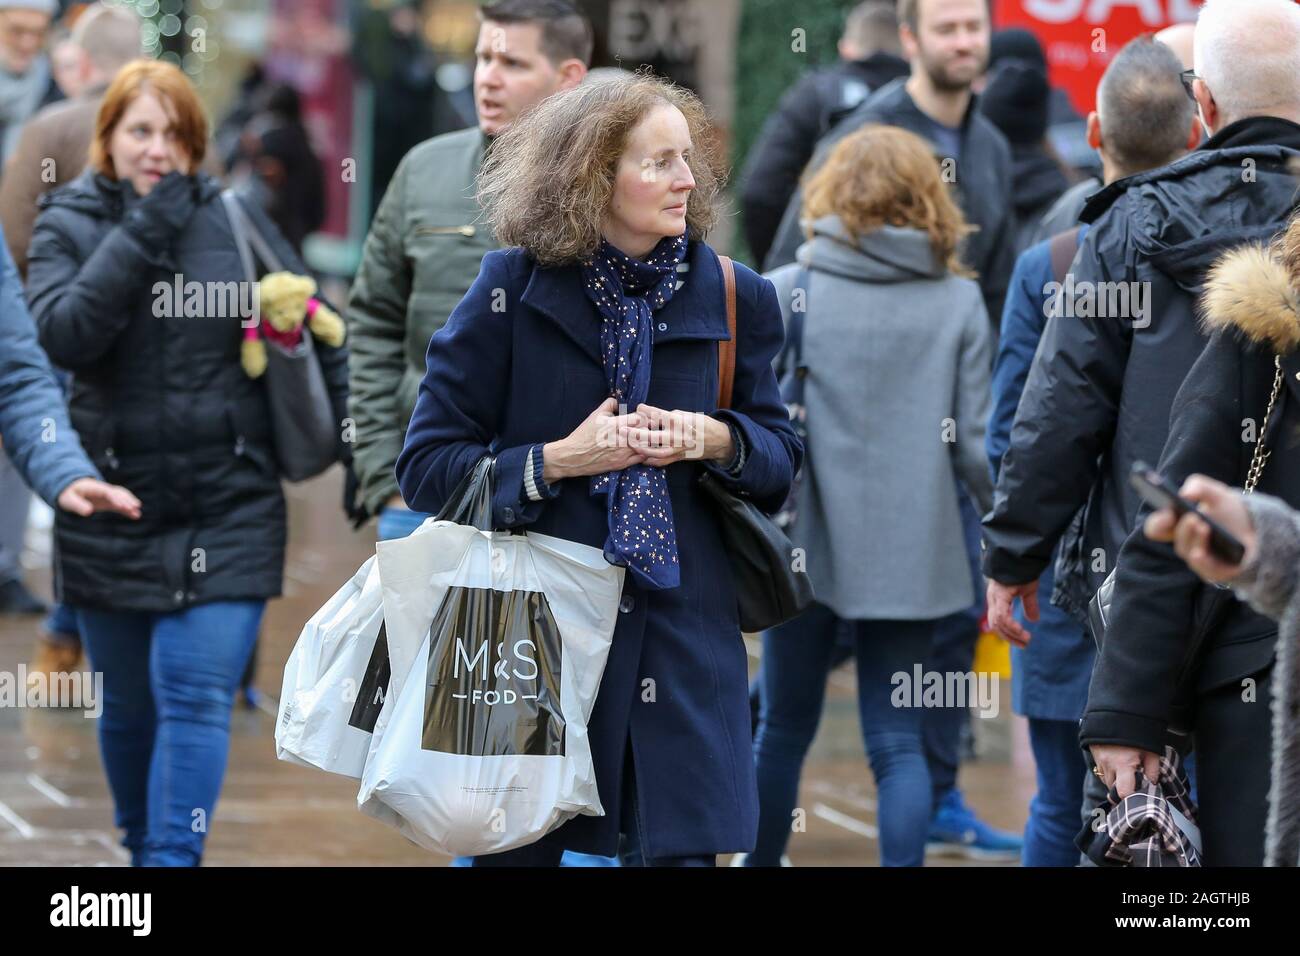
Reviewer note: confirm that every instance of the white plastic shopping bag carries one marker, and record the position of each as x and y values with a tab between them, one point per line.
497	643
335	680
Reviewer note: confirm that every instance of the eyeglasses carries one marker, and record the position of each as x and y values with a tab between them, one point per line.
1187	76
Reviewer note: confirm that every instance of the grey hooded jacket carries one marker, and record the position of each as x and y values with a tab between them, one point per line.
899	356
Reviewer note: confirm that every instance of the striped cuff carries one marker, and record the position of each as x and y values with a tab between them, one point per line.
534	485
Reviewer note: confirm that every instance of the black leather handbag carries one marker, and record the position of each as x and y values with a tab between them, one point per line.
769	590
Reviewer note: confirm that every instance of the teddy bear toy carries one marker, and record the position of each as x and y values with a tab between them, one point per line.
287	302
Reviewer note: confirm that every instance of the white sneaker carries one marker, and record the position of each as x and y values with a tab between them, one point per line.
739	860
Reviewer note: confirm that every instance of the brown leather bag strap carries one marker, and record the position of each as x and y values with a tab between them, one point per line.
727	349
1061	249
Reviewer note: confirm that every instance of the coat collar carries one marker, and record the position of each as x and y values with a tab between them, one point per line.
1265	140
1249	290
696	311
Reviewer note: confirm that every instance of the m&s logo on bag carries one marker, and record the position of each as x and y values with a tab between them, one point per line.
524	651
494	675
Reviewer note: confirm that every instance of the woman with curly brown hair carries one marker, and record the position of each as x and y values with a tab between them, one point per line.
898	355
585	360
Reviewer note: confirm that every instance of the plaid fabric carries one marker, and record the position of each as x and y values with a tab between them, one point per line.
1144	828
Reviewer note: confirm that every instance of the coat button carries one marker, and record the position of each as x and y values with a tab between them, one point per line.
663	326
178	597
627	604
508	514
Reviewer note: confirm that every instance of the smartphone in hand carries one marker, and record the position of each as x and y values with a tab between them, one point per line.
1159	492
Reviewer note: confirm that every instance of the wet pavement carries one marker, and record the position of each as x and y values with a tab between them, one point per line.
55	808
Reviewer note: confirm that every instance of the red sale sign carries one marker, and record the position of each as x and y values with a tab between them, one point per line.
1080	36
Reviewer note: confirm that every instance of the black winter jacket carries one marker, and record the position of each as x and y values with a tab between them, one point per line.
1150	668
982	180
162	404
819	100
1099	392
1039	183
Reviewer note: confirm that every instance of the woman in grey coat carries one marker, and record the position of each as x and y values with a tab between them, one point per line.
898	354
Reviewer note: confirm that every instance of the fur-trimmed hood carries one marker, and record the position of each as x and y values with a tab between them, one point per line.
1252	290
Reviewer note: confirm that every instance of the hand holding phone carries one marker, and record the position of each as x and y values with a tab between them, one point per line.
1208	546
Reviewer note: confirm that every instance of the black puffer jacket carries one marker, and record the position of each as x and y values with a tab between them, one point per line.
1098	397
162	405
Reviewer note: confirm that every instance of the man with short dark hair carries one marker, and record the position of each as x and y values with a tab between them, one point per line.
1050	684
869	58
428	236
1138	152
1099	400
946	43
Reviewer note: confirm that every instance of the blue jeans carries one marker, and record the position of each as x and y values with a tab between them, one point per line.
169	685
796	658
953	652
398	523
1054	812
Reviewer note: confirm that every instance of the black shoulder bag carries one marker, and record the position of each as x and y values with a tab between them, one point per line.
303	429
769	590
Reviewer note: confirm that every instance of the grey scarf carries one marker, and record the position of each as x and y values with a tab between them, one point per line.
20	95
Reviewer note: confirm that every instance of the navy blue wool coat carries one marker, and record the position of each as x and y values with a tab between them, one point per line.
518	363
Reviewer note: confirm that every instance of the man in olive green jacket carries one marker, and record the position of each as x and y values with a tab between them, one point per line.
429	235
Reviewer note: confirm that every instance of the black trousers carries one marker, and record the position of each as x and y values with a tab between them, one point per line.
1232	737
1234	745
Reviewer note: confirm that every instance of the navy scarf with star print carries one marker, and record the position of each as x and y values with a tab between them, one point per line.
626	292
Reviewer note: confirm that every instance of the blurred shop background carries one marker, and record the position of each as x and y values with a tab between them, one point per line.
375	77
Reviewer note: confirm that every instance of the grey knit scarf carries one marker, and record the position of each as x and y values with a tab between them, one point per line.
20	95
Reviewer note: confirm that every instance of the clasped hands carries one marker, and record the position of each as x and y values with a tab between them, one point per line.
611	440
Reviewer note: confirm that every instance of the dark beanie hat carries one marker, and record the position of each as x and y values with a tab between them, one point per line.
1015	101
1016	43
